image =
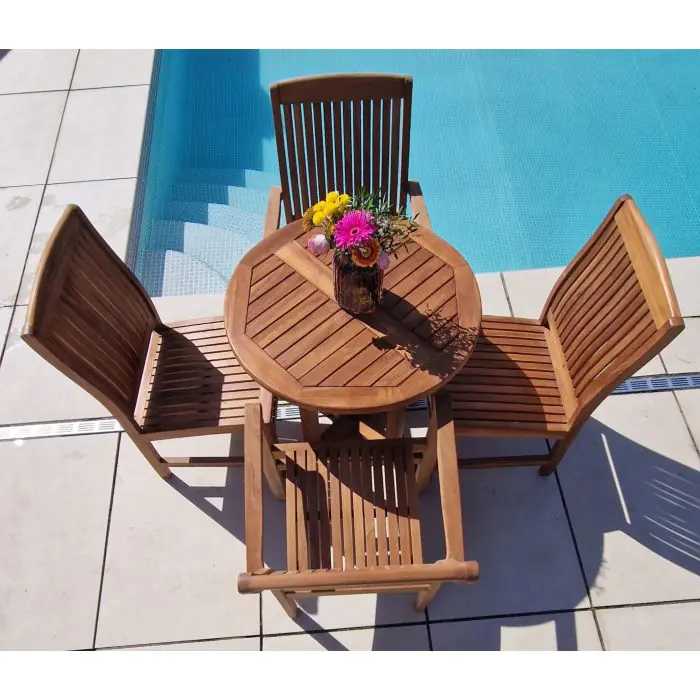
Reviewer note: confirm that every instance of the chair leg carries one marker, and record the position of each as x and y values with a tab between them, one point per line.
425	597
151	454
555	455
287	602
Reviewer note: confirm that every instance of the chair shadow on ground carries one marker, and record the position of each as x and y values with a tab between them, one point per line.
515	526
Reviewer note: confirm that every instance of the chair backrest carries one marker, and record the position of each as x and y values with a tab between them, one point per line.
342	132
89	316
613	308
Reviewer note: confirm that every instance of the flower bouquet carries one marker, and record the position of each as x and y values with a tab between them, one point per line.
364	230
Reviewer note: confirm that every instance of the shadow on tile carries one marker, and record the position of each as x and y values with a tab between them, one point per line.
573	631
635	514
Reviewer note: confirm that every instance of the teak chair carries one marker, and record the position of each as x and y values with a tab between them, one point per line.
352	520
90	318
610	312
342	132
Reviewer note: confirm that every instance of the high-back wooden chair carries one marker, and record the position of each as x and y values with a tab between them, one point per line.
343	132
610	312
352	516
90	318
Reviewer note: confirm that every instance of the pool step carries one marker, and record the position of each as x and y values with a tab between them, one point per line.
245	198
220	249
256	179
171	273
222	216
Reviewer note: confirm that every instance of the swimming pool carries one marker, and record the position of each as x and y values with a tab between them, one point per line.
520	153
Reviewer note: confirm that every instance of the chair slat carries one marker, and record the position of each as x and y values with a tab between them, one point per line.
347	509
322	187
391	509
357	507
394	175
291	513
405	548
386	133
370	540
314	195
290	139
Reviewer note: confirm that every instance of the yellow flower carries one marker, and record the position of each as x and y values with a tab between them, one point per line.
331	209
308	218
319	216
319	206
344	199
332	197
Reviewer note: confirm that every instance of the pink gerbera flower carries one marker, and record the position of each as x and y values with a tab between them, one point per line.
355	228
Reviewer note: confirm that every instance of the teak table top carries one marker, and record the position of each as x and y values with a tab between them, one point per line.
290	335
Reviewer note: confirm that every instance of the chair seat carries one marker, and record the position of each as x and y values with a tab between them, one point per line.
351	506
508	385
197	386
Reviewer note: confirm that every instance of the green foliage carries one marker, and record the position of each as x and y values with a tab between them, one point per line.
394	228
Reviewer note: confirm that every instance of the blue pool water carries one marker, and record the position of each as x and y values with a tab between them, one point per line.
520	154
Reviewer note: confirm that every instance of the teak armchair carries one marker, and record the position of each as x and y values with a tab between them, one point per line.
352	519
90	318
342	132
610	312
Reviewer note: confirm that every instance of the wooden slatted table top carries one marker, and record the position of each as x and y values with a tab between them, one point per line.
290	335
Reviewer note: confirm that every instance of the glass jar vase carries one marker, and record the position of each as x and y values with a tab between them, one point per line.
358	290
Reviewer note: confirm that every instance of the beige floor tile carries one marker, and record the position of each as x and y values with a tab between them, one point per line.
654	366
32	390
113	67
54	503
28	135
528	289
100	135
689	401
18	209
493	294
182	308
175	551
413	638
515	527
672	627
5	318
683	354
685	276
36	70
107	204
632	486
575	631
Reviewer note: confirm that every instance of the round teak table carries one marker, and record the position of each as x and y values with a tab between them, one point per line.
291	336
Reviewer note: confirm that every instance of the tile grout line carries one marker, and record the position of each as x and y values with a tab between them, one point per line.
38	211
505	289
578	557
74	89
69	182
104	553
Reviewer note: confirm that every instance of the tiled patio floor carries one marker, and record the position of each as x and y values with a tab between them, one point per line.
96	551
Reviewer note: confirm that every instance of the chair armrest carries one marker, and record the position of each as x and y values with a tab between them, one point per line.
274	209
448	476
252	477
418	203
439	572
272	223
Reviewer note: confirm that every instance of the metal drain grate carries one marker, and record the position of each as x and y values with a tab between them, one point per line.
59	429
661	382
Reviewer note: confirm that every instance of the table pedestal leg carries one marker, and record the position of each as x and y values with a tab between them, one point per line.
310	425
395	421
